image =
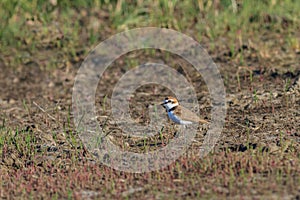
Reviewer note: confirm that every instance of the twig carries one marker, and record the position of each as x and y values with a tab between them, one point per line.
246	127
43	110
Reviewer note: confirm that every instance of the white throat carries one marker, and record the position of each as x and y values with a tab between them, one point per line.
170	106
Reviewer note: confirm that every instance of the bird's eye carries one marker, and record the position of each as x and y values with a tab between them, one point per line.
169	101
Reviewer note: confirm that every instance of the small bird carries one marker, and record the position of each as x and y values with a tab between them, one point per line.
179	114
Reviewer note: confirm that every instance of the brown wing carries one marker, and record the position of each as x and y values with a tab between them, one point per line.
188	115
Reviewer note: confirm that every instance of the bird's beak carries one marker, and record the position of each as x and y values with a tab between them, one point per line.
163	104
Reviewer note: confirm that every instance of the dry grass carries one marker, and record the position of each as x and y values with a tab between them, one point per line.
257	49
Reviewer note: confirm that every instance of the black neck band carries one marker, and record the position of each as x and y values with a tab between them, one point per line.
172	109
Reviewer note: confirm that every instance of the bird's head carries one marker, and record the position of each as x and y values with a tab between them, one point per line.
170	103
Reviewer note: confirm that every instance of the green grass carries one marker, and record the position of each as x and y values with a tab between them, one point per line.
68	25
